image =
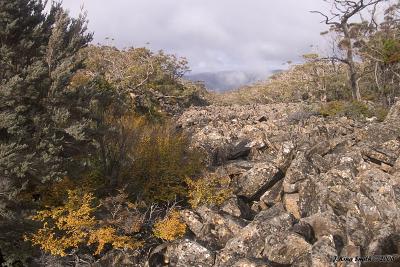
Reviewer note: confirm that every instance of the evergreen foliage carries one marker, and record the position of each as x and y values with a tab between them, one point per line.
44	121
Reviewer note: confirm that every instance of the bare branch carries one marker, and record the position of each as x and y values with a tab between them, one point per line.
335	58
327	19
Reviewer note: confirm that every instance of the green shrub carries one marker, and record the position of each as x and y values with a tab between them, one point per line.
357	109
353	109
381	113
332	108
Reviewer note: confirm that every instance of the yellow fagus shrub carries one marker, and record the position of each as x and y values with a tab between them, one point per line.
108	235
210	190
74	224
162	161
54	194
170	228
151	158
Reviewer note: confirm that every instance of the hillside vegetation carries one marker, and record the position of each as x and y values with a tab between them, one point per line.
365	59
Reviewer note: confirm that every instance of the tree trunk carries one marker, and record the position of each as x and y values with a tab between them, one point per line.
355	90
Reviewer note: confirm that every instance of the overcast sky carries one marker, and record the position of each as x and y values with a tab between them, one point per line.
214	35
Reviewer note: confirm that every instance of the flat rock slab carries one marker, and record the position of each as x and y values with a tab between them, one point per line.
255	182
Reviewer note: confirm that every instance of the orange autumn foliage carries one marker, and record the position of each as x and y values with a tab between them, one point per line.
171	227
69	226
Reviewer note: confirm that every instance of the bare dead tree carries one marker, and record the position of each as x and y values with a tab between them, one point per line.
339	21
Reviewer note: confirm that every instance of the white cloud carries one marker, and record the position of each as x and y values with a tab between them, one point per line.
214	35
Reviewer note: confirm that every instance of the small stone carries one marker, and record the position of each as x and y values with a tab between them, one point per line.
273	195
291	202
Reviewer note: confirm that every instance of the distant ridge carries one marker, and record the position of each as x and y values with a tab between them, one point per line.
227	80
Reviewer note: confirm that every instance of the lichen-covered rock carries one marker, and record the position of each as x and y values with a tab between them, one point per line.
380	188
299	170
212	227
323	252
254	182
250	241
326	224
287	248
273	195
189	253
194	222
386	241
237	207
305	230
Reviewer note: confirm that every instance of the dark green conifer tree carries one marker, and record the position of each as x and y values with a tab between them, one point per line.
45	123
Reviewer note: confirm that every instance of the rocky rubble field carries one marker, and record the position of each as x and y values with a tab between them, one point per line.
306	188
